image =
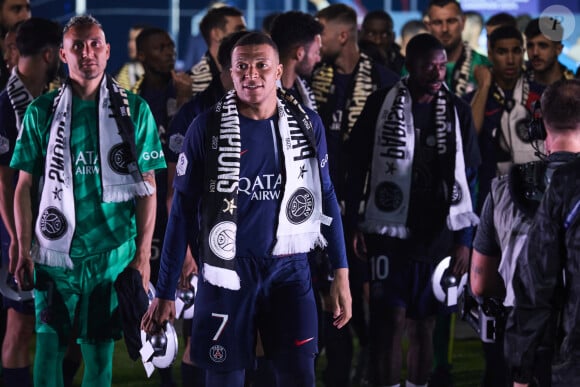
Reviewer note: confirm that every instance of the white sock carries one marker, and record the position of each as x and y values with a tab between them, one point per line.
410	384
394	385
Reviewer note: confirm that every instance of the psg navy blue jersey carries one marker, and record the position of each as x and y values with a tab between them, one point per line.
260	188
186	114
8	131
428	237
8	135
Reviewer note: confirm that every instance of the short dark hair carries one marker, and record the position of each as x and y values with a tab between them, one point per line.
501	19
338	12
413	27
561	105
36	34
380	15
292	29
255	38
474	16
421	45
533	29
81	21
443	3
224	55
145	34
505	32
268	21
216	18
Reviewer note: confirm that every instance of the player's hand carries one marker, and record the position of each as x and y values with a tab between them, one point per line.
24	271
183	85
516	384
141	264
320	4
189	268
359	245
158	313
341	300
13	255
483	76
460	260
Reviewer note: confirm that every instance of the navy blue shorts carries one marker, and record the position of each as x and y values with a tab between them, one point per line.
24	307
275	298
399	281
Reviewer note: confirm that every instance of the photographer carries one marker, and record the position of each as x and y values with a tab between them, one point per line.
545	284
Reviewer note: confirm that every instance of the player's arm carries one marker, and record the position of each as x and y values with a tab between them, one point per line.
145	220
7	211
484	79
484	278
181	221
341	300
24	227
189	264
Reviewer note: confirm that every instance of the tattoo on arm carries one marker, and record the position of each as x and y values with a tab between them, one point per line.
148	176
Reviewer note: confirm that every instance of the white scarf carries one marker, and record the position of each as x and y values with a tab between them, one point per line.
462	70
306	93
55	225
201	74
304	90
300	214
515	120
19	97
391	175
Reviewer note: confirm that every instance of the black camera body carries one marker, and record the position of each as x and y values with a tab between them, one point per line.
536	130
487	316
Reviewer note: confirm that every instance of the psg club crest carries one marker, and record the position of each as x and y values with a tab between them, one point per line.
217	354
522	130
456	195
118	158
222	240
388	196
300	206
53	224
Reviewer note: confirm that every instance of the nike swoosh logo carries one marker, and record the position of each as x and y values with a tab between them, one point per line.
242	152
300	343
492	112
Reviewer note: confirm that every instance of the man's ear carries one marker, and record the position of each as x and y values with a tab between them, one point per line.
300	53
47	54
343	36
62	55
216	35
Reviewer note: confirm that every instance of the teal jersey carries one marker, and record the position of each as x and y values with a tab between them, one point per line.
476	60
100	226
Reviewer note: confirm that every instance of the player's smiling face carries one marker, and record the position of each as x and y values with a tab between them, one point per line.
255	70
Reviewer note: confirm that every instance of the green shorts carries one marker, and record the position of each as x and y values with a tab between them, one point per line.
83	298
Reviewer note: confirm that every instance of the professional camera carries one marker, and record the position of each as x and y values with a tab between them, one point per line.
486	315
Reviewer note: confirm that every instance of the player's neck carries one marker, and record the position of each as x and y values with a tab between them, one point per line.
507	84
213	52
549	76
34	79
288	76
348	59
453	54
258	111
156	81
86	89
